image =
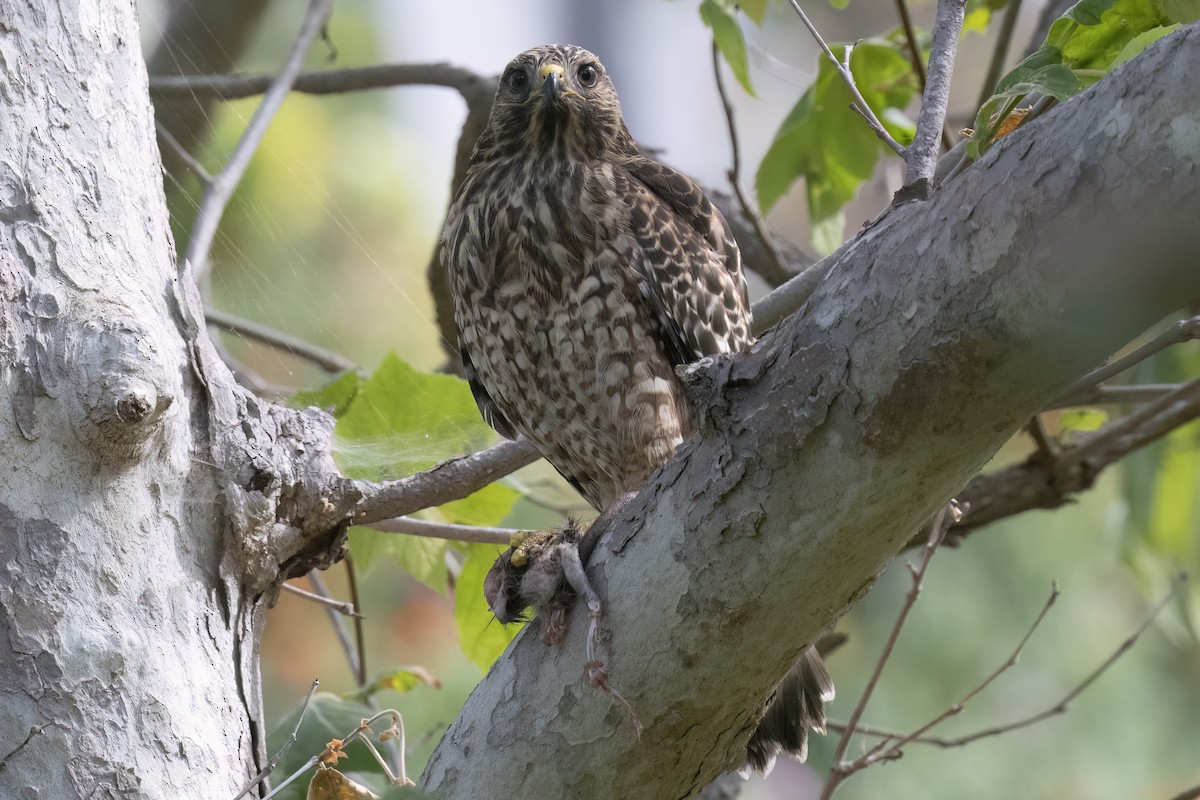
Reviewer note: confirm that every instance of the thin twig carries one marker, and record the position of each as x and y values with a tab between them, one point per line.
412	526
936	531
848	78
885	752
1182	331
777	273
326	359
1000	53
274	762
339	624
1037	483
189	160
882	733
339	606
1061	706
382	76
220	190
1046	447
1115	395
922	154
360	637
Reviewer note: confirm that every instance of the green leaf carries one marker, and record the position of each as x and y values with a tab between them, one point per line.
727	33
1089	40
422	557
402	421
489	506
755	10
335	397
976	20
1053	80
1093	32
480	636
1082	419
397	422
823	141
1140	42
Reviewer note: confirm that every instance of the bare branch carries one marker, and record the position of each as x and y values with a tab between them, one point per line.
412	526
774	273
360	634
182	154
885	752
1061	706
283	748
922	154
1038	483
450	480
339	624
1182	331
1111	395
220	190
337	605
935	531
848	78
338	81
326	359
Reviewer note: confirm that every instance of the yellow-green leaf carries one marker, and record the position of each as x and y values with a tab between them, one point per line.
480	636
727	33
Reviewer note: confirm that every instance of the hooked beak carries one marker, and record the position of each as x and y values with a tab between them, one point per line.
554	83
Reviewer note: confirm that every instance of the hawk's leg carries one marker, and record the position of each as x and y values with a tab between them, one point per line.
545	571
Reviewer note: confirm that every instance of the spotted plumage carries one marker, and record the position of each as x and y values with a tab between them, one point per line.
583	273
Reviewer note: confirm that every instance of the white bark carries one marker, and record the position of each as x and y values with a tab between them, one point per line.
937	333
140	504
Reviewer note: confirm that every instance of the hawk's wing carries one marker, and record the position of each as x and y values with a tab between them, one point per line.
691	271
487	406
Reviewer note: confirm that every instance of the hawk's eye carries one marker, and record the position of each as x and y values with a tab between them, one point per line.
517	80
588	75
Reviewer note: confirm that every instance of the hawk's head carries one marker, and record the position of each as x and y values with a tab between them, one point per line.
552	99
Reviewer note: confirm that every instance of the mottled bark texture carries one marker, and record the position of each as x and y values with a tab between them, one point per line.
938	332
148	507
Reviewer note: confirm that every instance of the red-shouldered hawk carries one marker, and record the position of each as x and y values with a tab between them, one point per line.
583	273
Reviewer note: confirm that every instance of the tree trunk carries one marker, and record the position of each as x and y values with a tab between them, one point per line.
139	535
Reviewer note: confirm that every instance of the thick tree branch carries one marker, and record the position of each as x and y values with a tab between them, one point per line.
937	333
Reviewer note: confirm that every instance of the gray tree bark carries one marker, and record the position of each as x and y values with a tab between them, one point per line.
150	508
146	502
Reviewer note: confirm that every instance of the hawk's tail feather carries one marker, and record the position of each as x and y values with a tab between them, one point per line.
797	707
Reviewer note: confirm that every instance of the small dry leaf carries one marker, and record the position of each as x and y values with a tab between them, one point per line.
1011	122
329	784
332	753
